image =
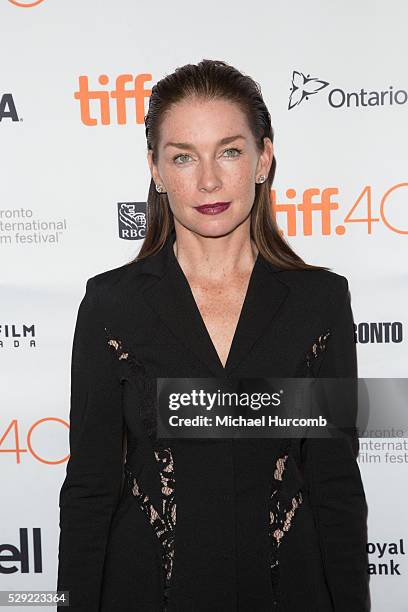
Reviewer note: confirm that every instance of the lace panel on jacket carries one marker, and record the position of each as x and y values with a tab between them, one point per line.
147	406
163	519
281	515
281	518
318	347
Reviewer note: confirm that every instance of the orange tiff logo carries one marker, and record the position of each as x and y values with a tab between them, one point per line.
20	443
127	87
319	205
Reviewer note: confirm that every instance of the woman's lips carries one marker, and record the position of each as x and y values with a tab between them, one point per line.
213	209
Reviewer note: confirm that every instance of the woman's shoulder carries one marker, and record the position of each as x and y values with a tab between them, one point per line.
314	281
113	280
115	292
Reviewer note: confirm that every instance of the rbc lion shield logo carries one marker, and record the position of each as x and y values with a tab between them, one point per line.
132	220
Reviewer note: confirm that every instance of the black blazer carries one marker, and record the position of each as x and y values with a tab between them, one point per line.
199	525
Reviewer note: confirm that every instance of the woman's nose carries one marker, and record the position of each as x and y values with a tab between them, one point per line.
208	176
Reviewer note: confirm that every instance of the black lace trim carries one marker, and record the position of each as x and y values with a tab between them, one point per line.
318	347
162	520
280	516
147	385
281	511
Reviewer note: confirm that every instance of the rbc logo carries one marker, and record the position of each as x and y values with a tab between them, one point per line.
132	220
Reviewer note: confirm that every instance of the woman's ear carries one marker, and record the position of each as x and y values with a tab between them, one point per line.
153	168
266	158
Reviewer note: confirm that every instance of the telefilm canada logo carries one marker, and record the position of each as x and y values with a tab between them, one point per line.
132	220
304	87
17	335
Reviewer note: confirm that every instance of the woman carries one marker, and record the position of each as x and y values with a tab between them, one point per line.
208	525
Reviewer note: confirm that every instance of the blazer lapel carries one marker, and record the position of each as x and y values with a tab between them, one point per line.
172	299
265	296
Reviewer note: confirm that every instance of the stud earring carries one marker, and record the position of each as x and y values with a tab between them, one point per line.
261	179
159	188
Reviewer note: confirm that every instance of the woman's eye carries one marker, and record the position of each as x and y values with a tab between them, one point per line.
179	156
234	149
178	159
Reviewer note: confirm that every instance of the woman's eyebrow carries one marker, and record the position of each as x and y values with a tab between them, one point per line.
188	145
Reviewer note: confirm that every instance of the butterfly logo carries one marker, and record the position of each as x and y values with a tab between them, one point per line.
303	87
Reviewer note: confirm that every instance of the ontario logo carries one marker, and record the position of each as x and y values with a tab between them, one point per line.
303	87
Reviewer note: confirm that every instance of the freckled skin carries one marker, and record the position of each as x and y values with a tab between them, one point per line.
214	251
209	174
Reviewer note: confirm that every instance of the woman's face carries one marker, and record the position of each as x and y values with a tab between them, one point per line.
197	164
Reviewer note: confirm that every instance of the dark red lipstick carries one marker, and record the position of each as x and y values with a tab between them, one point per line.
212	209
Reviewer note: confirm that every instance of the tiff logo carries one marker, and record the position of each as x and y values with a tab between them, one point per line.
126	87
313	200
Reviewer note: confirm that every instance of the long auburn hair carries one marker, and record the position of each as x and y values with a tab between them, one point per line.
214	79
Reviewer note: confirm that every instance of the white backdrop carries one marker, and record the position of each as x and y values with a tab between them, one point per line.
63	182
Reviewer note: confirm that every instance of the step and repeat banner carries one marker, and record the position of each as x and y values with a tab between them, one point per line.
75	82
